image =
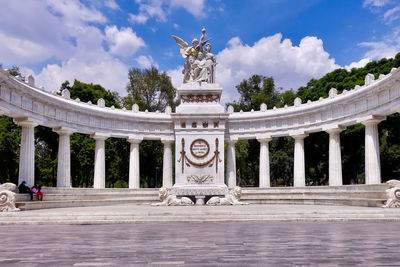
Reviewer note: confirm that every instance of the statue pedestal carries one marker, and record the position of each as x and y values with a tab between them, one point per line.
199	124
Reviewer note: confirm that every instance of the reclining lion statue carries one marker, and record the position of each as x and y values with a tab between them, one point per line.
171	200
7	197
393	194
230	199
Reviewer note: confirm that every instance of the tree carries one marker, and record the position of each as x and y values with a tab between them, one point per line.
254	91
150	89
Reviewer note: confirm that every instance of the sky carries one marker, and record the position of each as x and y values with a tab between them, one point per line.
99	41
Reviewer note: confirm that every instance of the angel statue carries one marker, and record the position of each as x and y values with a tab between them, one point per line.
200	63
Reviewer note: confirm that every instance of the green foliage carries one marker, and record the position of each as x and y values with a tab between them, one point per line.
150	89
14	71
91	92
10	138
255	91
121	184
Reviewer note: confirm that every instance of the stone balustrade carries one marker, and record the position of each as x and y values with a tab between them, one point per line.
368	104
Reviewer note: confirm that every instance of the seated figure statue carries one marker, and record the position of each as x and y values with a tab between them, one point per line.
393	194
230	199
171	200
7	197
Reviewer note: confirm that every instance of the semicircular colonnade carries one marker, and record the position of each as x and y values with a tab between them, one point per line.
369	104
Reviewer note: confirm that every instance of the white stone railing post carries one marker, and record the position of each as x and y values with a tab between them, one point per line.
372	156
299	171
264	175
231	164
27	152
167	163
335	157
134	163
64	156
99	179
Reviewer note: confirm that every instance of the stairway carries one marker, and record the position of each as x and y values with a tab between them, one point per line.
348	195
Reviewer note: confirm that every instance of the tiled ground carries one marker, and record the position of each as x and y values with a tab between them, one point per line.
202	244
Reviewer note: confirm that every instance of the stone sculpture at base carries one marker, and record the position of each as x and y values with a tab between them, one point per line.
393	194
7	197
168	199
230	199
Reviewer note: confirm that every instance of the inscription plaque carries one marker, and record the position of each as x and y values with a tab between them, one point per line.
199	148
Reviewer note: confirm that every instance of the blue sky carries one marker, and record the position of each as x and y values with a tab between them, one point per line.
98	41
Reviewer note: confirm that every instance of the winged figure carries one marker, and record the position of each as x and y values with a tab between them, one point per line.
195	67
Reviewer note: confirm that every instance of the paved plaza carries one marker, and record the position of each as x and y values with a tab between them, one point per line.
202	244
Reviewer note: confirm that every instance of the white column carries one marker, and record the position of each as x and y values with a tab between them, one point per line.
134	166
372	157
167	163
64	157
27	152
299	173
99	180
335	158
231	164
264	163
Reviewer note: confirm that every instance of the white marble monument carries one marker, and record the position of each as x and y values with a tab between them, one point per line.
199	124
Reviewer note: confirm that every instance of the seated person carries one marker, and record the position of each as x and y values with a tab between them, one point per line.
23	188
36	190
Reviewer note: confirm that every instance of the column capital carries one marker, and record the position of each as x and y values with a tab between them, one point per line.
64	130
263	139
99	136
231	140
334	129
134	139
373	119
298	135
25	121
167	141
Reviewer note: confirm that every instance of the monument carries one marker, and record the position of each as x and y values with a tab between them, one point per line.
199	124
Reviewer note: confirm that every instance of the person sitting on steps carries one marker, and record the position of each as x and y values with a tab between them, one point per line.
23	188
36	190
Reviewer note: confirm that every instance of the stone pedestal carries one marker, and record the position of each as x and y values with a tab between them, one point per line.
134	166
199	124
27	152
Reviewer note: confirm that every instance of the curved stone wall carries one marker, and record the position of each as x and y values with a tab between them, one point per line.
368	104
376	99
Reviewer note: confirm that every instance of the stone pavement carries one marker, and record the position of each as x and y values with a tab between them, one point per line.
133	213
203	244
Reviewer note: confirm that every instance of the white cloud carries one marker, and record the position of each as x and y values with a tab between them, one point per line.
392	15
359	64
123	42
145	62
376	3
111	4
161	9
71	34
291	66
108	72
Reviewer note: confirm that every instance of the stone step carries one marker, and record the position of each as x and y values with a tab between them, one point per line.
32	205
63	190
195	218
87	196
362	202
275	195
343	188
